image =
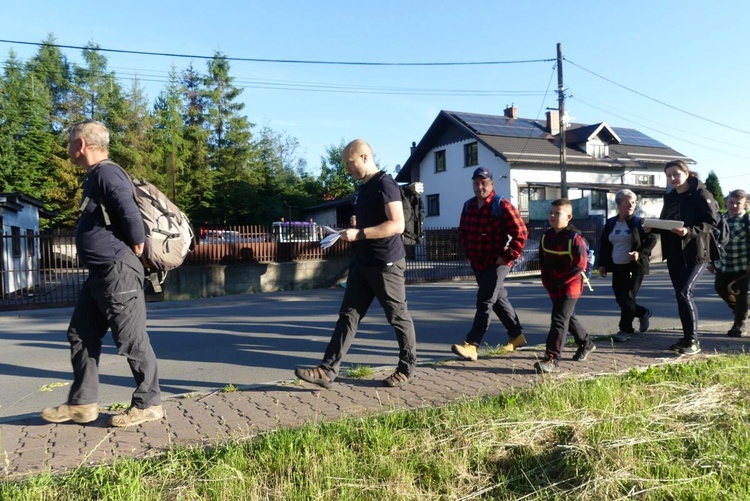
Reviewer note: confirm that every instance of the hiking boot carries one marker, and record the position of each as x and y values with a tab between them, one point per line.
691	349
467	351
583	352
547	366
316	375
514	343
81	414
134	416
396	379
737	330
682	343
644	320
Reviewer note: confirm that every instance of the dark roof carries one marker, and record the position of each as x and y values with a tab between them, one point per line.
526	142
13	201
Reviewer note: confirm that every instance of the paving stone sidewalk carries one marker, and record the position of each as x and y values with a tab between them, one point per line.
31	445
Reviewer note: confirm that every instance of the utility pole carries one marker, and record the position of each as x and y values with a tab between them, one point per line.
561	112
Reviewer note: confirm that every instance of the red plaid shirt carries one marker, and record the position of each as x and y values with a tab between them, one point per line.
562	259
485	237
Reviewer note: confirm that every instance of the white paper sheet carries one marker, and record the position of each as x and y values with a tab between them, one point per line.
329	240
662	224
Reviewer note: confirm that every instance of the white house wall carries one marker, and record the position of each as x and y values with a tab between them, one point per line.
454	185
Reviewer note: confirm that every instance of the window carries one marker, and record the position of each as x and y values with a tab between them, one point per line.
30	243
471	154
440	161
598	200
433	205
644	179
597	149
15	233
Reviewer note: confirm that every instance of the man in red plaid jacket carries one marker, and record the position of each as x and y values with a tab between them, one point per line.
493	235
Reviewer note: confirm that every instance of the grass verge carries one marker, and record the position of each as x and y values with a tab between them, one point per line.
674	432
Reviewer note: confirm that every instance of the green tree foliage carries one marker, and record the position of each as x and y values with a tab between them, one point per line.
712	185
334	181
196	142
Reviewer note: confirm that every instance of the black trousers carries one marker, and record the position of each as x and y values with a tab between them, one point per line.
684	274
112	298
736	299
492	296
365	283
626	286
564	320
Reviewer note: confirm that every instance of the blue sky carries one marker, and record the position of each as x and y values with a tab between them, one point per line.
690	55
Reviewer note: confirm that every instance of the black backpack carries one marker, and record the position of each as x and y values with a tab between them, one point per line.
413	214
720	239
411	199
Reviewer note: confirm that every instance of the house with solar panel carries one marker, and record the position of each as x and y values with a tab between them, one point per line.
524	156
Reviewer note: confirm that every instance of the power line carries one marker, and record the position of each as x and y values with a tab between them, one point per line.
659	101
285	61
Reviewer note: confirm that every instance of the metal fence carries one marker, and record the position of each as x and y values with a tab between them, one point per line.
43	271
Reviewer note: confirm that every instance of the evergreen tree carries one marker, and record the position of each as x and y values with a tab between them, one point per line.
195	190
51	72
135	151
168	133
712	185
229	144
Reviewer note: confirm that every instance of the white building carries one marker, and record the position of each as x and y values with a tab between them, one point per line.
19	242
524	158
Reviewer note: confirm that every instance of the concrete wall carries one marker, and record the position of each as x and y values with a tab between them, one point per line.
190	282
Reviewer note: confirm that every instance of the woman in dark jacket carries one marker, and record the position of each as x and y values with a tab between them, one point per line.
624	250
687	250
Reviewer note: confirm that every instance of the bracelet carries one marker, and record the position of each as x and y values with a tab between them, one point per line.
361	235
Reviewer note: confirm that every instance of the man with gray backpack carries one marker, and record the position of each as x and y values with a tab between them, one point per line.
110	243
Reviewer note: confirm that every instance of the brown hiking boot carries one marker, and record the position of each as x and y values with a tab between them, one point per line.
77	413
467	351
134	416
515	343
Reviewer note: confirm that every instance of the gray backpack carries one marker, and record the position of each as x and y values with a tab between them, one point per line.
169	236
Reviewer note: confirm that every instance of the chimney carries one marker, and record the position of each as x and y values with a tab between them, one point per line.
553	122
511	111
413	147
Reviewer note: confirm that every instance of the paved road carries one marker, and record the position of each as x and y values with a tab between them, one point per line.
203	345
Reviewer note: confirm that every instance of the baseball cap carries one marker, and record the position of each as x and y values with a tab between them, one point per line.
482	172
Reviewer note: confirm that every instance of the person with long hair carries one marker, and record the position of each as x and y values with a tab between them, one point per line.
687	249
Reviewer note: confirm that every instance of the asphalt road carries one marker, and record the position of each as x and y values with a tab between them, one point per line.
205	344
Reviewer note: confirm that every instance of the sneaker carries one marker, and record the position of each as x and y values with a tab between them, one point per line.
467	351
134	416
621	336
737	330
693	348
77	413
514	343
316	375
396	379
682	343
644	321
547	366
583	352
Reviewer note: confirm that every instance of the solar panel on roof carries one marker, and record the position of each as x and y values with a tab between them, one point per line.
500	126
633	137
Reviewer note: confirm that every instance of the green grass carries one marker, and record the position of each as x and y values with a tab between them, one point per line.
675	432
359	371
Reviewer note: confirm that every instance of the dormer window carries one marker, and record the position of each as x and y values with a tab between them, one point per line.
597	149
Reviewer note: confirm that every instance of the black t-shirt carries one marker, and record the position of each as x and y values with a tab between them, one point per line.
369	207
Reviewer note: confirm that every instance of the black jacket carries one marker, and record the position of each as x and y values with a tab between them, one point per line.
643	243
699	211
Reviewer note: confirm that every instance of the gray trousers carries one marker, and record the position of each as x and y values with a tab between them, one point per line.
112	298
364	284
493	297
